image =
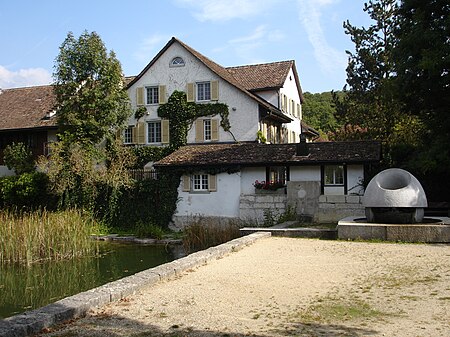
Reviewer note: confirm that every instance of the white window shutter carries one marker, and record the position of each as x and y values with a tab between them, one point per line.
140	96
191	92
214	90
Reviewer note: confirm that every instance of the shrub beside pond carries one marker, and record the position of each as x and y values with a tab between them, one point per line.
29	237
204	233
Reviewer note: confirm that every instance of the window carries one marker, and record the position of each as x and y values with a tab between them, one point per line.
152	95
204	91
177	62
128	135
334	175
207	129
154	132
200	182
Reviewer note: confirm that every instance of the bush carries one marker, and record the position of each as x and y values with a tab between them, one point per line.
149	230
19	158
205	233
28	190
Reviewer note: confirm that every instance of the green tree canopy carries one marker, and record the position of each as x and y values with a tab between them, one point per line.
92	103
318	111
422	63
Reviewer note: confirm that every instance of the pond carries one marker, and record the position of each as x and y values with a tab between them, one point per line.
25	288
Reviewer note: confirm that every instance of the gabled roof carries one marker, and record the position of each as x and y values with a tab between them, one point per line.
266	76
27	108
218	70
254	154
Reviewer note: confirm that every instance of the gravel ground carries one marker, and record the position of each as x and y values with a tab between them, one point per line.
291	287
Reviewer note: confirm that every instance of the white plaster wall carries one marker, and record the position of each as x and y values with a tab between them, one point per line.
4	171
333	190
305	173
291	91
248	176
355	176
243	119
223	203
270	96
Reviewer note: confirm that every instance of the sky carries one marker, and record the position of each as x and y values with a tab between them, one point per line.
230	32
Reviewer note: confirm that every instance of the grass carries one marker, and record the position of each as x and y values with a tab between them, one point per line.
204	233
338	310
30	237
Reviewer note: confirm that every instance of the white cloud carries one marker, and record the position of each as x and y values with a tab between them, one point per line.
329	59
213	10
24	77
246	47
150	46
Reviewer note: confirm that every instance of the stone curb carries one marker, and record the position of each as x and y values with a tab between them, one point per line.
32	322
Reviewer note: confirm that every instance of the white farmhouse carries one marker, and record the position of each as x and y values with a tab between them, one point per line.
265	98
321	181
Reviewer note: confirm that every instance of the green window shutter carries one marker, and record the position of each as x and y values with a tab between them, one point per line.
212	183
299	111
283	107
214	90
140	130
140	96
162	94
199	131
186	183
165	131
190	92
214	130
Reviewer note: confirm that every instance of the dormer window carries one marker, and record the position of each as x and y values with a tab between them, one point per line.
177	62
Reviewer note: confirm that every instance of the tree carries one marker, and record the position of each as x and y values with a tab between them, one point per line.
371	103
422	63
92	103
88	163
318	111
19	158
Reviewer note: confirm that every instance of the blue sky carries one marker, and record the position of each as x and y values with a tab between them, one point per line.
233	32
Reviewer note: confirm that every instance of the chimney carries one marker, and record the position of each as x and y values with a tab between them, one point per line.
301	149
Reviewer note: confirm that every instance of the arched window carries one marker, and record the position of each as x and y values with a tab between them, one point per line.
177	62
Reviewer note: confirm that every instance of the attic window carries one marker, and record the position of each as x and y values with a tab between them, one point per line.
177	62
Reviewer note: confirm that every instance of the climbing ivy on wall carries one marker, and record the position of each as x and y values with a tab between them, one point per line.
181	114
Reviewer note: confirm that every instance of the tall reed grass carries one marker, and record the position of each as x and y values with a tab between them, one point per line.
204	233
29	237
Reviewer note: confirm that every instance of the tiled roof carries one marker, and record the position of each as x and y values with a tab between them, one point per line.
258	77
254	154
262	76
217	69
24	108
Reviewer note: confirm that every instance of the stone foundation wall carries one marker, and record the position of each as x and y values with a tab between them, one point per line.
332	208
252	206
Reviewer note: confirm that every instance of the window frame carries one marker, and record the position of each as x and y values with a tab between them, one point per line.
336	179
178	64
151	125
128	135
204	94
207	130
200	182
154	95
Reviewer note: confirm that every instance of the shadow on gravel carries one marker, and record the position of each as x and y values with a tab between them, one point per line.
117	326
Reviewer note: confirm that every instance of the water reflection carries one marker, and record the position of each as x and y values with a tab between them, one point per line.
23	288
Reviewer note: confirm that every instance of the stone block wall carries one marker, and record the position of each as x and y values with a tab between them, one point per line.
332	208
252	206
